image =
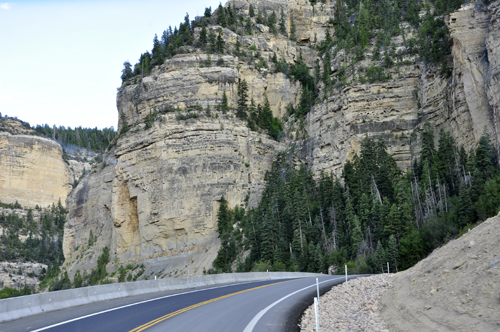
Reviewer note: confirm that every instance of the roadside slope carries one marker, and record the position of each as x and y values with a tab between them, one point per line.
456	288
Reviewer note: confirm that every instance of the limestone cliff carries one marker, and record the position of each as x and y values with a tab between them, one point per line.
464	104
32	171
154	199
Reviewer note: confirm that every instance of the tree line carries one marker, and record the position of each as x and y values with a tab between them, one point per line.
173	41
93	139
376	214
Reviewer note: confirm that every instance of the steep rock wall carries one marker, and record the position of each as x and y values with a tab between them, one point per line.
32	171
463	104
156	199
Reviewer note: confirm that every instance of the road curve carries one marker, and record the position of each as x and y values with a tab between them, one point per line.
272	305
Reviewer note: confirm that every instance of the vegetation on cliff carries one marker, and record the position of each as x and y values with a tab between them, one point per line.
30	239
377	215
93	139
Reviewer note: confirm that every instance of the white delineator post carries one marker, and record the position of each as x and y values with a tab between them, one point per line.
316	313
317	289
388	271
346	277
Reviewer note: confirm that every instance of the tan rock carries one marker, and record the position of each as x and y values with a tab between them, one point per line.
32	171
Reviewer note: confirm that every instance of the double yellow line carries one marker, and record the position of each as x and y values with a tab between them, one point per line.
161	319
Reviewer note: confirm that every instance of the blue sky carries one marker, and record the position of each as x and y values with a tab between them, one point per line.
61	61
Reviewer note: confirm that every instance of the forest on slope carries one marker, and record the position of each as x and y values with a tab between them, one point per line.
377	214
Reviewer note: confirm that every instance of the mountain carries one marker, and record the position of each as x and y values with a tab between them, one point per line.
331	73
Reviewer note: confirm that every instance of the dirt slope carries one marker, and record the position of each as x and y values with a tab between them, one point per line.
456	288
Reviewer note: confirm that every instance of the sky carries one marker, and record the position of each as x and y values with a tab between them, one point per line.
61	61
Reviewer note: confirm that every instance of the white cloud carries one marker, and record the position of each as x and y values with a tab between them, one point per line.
5	6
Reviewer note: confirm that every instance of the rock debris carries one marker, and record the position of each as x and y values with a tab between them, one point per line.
352	308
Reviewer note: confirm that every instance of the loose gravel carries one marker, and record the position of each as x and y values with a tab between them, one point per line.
351	308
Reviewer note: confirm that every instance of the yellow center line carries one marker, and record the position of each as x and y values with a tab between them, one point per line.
161	319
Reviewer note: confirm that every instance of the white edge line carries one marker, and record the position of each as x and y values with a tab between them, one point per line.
141	302
257	317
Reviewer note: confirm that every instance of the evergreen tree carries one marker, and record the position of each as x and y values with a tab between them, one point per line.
260	19
357	236
157	57
127	71
242	99
221	16
248	26
428	151
282	23
465	208
203	36
220	42
208	12
212	42
224	106
379	258
392	252
271	22
293	29
251	11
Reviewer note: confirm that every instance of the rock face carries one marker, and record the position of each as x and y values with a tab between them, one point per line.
20	275
464	104
32	171
155	197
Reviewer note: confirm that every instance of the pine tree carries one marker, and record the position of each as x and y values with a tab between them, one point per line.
251	11
237	46
259	19
392	252
379	258
293	29
127	71
327	71
157	52
203	35
282	23
357	236
224	106
428	150
242	99
465	208
212	41
220	42
221	16
208	12
271	22
248	26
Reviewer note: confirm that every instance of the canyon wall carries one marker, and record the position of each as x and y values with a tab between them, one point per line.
32	171
464	103
155	197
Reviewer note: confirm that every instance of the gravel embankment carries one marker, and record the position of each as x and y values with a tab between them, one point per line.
354	308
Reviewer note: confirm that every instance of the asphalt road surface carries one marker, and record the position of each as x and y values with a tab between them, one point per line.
273	305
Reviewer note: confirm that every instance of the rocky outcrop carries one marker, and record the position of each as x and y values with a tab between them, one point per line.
493	74
20	275
463	104
157	198
32	171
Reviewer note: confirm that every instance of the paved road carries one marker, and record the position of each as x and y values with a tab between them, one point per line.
257	306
